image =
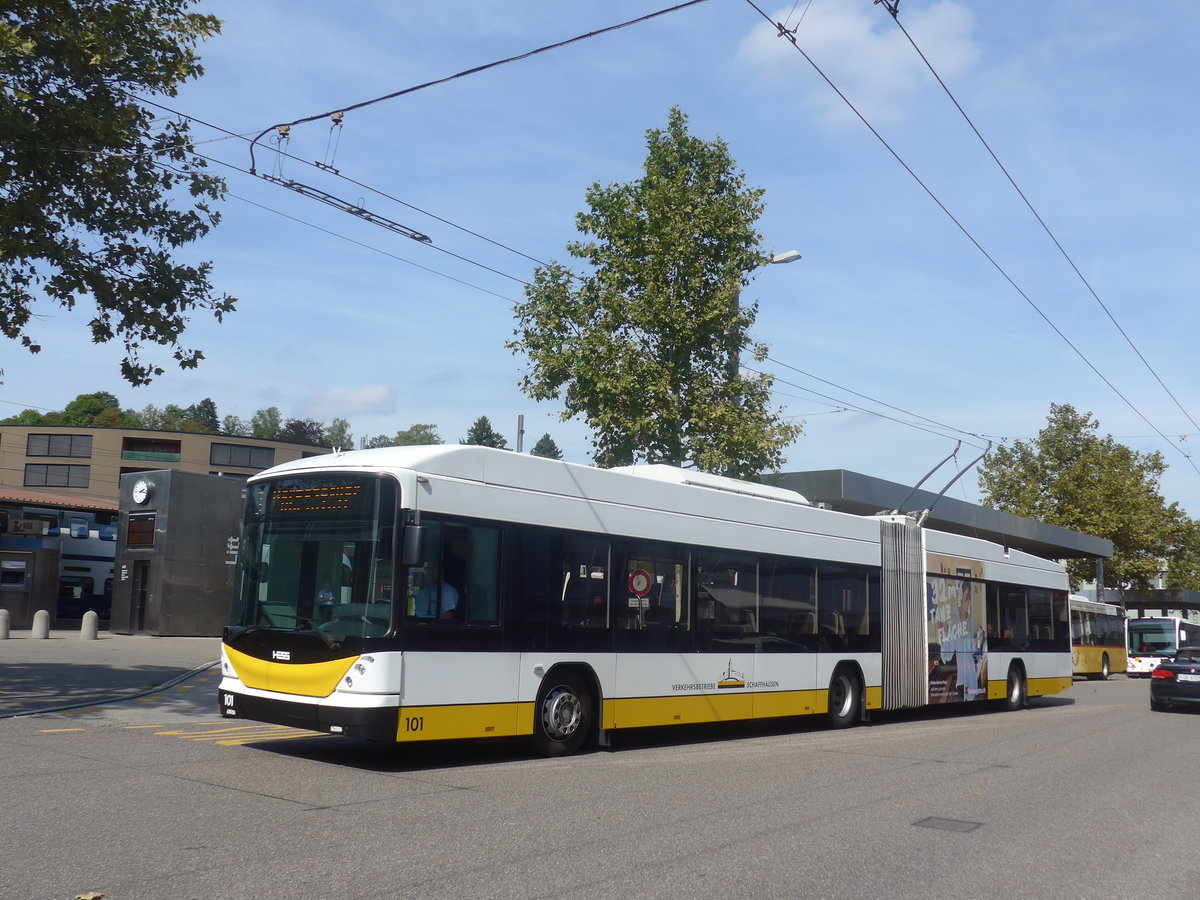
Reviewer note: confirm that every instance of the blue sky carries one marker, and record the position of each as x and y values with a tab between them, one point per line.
1090	106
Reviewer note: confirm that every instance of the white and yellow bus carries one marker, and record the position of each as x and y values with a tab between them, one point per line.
451	592
1097	638
1155	638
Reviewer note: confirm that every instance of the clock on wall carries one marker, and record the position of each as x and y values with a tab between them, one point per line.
141	490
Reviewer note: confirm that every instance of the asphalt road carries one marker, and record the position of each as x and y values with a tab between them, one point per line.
1084	795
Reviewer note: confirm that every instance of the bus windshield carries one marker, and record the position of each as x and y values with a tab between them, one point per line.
316	554
1153	636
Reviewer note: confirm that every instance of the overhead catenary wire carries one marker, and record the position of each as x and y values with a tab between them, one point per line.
346	178
472	71
893	9
791	38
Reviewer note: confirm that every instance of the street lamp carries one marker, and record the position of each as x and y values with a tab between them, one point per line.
790	256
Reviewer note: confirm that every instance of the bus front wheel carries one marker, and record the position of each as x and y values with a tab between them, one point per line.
843	699
563	718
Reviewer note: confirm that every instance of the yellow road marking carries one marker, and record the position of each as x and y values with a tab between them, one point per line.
244	734
60	730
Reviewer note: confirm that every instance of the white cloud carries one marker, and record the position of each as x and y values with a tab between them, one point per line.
860	49
343	403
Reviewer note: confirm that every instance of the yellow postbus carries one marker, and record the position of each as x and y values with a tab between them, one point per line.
1097	638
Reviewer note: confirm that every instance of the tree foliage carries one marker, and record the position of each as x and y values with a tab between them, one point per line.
265	423
546	447
302	431
338	435
95	190
414	435
647	347
1071	477
481	434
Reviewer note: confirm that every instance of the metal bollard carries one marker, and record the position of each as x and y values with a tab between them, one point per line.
3	624
41	624
90	627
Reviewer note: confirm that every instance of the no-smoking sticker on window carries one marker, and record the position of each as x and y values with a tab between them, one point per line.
640	582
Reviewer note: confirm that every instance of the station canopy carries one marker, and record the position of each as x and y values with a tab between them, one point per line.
851	492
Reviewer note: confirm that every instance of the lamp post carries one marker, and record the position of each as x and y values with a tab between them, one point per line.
790	256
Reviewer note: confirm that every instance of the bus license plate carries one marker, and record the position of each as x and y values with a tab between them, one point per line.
1184	676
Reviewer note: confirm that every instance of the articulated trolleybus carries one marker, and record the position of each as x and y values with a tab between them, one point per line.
451	592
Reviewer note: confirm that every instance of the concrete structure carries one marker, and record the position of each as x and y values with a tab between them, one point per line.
54	477
176	550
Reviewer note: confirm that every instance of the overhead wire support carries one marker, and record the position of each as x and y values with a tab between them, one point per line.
337	203
340	113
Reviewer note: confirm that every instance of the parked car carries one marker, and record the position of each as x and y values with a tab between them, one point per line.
1176	681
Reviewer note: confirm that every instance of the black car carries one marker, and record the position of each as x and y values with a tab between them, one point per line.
1176	682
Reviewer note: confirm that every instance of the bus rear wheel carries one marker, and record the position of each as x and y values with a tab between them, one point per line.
563	717
1015	696
843	699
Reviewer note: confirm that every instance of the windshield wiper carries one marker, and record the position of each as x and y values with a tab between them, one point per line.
330	641
236	632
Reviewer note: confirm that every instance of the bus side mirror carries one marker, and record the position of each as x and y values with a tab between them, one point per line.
412	550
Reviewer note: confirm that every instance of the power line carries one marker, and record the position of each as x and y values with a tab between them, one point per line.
500	62
893	9
791	38
351	240
345	178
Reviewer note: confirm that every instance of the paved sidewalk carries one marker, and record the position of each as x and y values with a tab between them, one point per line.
42	674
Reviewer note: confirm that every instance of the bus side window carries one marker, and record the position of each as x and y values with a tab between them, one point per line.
583	597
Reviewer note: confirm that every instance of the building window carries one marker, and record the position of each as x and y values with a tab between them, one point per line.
241	455
150	450
76	445
48	475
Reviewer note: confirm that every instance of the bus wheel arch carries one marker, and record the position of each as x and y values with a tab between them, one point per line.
845	695
1016	694
565	714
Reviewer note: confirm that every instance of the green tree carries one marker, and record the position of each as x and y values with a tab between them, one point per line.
380	440
481	434
338	435
234	427
416	435
90	178
84	409
546	447
647	347
303	431
205	415
1071	477
152	417
25	417
266	423
1183	563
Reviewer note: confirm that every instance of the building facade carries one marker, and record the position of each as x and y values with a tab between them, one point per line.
60	501
88	462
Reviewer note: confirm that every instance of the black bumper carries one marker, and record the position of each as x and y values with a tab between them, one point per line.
374	724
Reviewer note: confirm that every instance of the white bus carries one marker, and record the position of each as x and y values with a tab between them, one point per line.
450	592
1155	638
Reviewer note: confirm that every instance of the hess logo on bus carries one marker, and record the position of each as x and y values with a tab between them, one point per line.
284	655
